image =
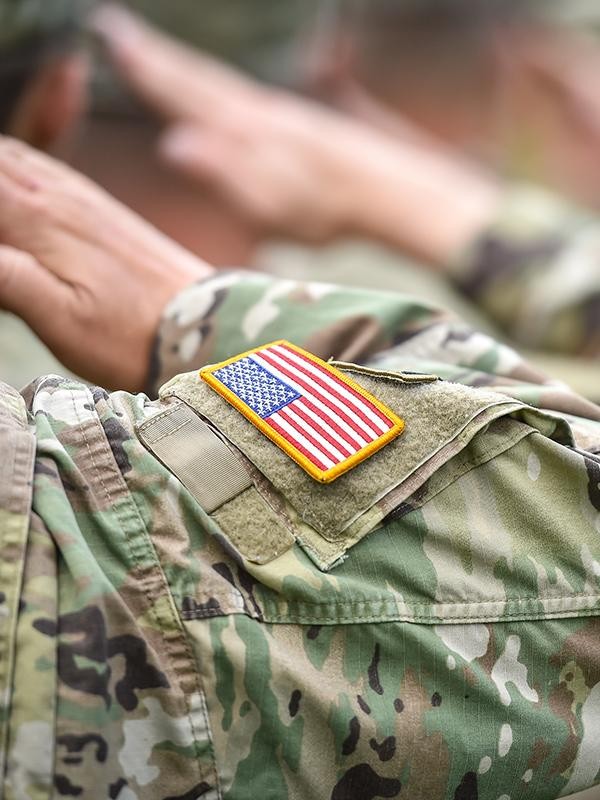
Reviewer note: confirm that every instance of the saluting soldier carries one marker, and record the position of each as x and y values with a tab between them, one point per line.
285	577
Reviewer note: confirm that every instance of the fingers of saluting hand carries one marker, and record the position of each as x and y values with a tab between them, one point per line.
31	168
176	80
195	151
24	178
13	199
14	170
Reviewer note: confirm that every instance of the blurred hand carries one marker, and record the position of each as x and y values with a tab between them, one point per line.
292	166
284	161
85	273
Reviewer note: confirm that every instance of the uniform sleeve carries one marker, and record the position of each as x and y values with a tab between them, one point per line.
235	311
536	272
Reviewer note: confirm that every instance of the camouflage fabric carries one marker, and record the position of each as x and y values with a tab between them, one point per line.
266	38
21	20
262	36
535	272
451	652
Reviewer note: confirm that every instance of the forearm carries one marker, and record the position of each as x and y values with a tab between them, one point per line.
234	311
422	202
527	258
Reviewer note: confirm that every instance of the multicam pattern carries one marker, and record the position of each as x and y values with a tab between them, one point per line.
454	653
535	272
23	20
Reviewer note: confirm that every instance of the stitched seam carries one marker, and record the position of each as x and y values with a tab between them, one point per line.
5	645
151	605
300	619
192	660
158	418
535	599
155	420
353	604
21	457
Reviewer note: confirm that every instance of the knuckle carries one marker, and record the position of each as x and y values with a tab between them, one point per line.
38	202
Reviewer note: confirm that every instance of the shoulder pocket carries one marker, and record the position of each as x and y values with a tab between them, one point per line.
327	520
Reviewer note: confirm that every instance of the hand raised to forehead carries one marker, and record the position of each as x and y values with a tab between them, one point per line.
283	160
291	166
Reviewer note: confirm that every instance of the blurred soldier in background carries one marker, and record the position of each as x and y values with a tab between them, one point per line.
304	172
43	71
264	38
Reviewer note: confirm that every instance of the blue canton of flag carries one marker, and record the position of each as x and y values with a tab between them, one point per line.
262	391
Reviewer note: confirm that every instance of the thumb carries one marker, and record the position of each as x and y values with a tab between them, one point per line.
28	290
235	172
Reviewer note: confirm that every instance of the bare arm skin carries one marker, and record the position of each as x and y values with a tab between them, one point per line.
294	167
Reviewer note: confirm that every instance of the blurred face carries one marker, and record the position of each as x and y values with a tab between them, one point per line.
47	101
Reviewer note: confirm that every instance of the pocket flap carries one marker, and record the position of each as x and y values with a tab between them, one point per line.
441	419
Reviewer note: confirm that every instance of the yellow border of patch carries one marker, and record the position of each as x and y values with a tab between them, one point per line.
323	476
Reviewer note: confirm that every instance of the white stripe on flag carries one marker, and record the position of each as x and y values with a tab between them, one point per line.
329	449
339	386
327	428
297	437
304	393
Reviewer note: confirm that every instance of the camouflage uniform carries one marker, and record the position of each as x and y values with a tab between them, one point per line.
22	20
427	626
534	270
262	37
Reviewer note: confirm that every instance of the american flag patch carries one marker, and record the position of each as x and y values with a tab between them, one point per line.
323	420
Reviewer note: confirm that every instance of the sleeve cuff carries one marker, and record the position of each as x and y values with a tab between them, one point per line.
189	327
529	226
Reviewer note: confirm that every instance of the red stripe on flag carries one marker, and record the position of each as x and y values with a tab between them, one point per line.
313	392
348	442
307	435
319	429
313	459
370	430
346	386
